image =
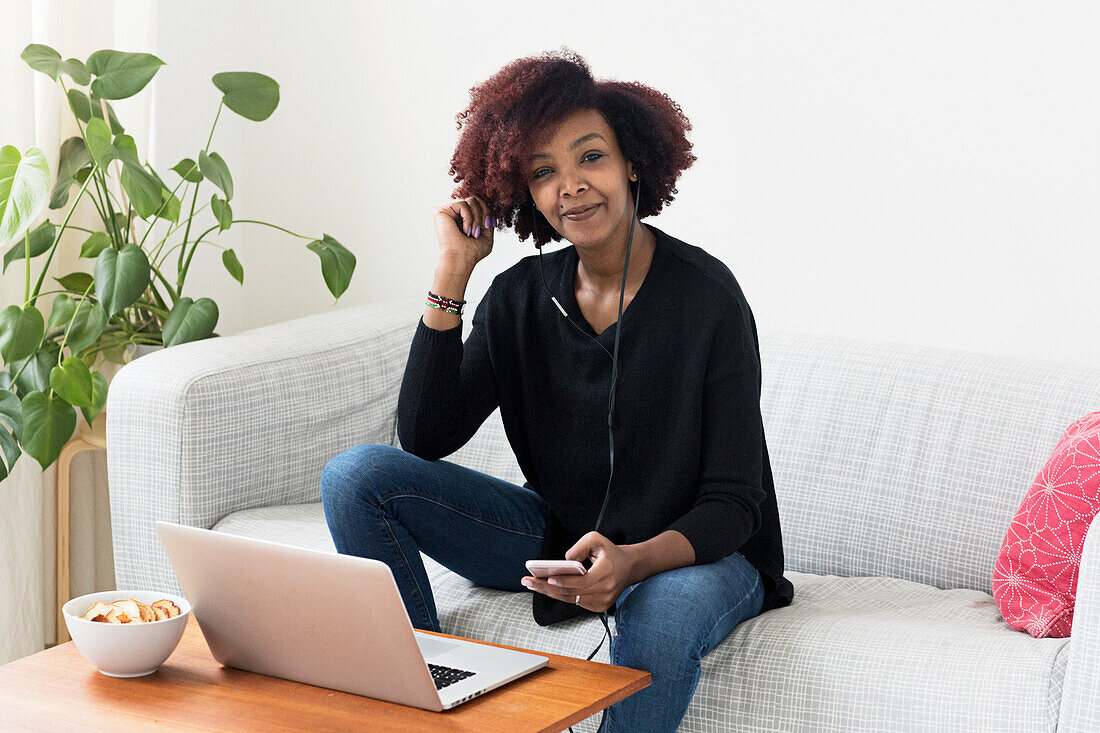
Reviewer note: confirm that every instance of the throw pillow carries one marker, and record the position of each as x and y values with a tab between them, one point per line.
1035	579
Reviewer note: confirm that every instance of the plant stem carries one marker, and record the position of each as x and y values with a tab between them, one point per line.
65	337
129	339
150	229
25	364
180	269
175	229
171	291
235	221
27	255
47	292
57	239
119	238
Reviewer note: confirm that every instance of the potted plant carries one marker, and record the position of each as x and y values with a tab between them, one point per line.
50	361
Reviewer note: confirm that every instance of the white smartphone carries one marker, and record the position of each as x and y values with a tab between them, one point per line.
546	568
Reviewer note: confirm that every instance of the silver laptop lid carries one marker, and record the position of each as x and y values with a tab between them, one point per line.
321	618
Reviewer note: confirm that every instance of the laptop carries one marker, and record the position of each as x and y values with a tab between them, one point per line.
325	619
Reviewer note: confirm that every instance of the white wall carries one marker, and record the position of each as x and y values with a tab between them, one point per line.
923	172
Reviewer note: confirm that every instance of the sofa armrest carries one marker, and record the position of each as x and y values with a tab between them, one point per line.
1080	712
201	430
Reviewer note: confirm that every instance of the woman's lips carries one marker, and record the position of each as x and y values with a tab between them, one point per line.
583	215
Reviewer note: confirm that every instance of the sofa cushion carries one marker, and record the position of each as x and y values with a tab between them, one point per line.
1035	577
851	653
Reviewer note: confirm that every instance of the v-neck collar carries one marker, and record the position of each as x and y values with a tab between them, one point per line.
567	284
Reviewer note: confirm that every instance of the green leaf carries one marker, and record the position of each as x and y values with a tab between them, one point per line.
251	95
223	212
121	276
99	397
85	110
87	326
24	190
171	210
41	239
74	158
217	172
76	282
120	223
142	188
76	70
229	259
190	321
99	143
11	412
41	57
11	452
188	170
48	423
36	376
140	185
63	309
120	74
337	263
21	332
116	354
72	380
95	244
78	103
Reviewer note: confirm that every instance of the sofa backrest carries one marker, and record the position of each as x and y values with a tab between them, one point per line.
908	461
891	459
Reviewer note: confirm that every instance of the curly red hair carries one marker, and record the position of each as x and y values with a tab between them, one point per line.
529	96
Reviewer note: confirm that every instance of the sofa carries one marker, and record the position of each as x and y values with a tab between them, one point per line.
897	471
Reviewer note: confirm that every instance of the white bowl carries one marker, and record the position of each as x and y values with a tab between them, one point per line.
126	650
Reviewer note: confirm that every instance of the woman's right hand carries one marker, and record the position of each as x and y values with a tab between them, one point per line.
451	223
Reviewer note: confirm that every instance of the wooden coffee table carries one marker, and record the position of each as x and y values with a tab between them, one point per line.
58	689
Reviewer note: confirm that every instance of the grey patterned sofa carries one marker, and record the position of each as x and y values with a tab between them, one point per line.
897	469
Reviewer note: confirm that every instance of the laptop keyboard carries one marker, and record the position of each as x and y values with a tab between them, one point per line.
444	676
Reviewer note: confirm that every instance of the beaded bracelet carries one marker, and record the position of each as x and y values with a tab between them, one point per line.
445	304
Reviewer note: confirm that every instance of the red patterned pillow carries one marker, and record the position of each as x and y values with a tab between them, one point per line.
1035	579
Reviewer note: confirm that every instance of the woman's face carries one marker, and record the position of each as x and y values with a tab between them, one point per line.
580	164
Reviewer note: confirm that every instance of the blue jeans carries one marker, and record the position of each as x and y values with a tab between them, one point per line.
383	503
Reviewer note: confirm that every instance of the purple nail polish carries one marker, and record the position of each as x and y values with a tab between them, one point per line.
477	232
487	222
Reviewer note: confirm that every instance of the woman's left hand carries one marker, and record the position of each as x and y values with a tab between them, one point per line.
601	586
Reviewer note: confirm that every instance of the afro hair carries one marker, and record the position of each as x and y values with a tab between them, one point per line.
529	96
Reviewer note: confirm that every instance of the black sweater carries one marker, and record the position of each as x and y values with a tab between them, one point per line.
690	452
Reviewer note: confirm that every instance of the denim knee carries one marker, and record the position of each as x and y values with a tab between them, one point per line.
656	642
357	473
669	620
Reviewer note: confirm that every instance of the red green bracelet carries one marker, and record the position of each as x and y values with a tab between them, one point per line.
445	304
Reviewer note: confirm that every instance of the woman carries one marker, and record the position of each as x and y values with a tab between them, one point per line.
689	545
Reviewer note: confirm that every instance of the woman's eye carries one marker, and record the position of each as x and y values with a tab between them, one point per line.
540	170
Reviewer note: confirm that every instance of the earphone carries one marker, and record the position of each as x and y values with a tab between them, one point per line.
614	373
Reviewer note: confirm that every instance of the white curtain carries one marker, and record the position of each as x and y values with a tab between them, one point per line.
34	115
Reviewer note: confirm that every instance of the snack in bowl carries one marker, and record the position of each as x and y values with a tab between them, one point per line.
124	632
131	611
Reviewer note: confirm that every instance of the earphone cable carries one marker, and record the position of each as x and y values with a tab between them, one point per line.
614	380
